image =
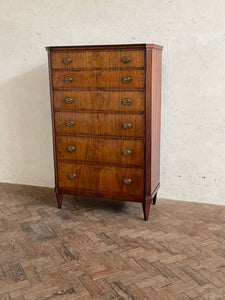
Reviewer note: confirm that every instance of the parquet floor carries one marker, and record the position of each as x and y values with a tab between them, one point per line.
101	249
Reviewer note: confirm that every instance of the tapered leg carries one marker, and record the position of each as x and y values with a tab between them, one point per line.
154	199
59	198
146	209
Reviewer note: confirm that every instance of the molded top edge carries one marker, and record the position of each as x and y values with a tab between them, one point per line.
103	47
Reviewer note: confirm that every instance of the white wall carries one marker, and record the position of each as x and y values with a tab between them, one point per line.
193	93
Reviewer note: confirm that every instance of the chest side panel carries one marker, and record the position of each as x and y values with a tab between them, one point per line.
152	120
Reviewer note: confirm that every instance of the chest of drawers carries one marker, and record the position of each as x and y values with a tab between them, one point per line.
105	104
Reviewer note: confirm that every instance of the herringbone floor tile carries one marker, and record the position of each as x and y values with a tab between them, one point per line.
102	249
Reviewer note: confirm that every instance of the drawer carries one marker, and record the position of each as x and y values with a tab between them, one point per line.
98	59
124	101
100	150
124	79
101	178
112	124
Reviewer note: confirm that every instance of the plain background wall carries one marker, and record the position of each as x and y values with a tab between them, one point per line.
193	92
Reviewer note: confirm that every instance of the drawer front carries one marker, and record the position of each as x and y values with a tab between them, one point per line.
124	79
100	150
98	59
101	178
99	124
124	101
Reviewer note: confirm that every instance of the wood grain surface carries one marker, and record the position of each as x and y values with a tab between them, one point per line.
99	79
108	47
100	150
100	124
101	178
100	100
98	59
94	81
153	120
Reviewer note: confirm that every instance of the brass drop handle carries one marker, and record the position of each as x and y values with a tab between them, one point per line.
127	181
127	125
126	101
72	176
68	79
68	100
69	123
71	149
67	60
126	79
125	59
126	152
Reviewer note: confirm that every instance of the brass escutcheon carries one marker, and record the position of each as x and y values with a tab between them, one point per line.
126	79
71	148
126	152
69	123
72	176
68	100
125	59
126	101
68	79
67	61
126	125
127	181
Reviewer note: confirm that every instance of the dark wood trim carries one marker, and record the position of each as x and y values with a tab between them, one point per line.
148	79
98	89
53	120
146	209
102	69
128	47
102	164
103	136
59	198
154	199
86	193
102	111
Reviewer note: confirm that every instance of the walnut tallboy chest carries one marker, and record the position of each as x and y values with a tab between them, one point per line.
106	121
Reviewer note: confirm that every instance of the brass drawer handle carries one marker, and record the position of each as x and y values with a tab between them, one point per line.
127	125
68	79
72	176
69	123
68	100
126	152
125	59
67	61
71	148
126	101
126	79
127	181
